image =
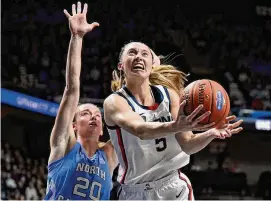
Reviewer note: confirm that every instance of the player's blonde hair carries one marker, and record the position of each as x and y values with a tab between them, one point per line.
165	75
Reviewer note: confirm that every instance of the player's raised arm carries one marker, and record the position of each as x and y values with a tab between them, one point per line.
62	136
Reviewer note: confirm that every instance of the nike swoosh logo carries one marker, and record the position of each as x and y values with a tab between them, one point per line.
177	196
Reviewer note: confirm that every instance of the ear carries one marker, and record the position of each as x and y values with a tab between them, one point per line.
74	127
120	66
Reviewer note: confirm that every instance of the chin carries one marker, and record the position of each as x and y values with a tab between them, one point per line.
136	76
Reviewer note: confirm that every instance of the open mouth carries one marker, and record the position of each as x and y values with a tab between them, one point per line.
138	66
92	124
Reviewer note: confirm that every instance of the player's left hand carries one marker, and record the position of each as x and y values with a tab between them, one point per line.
228	129
77	21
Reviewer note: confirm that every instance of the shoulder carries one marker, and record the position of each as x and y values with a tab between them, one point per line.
107	147
174	96
109	151
114	102
112	99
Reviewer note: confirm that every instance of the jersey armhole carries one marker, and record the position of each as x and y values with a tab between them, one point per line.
52	165
131	105
168	97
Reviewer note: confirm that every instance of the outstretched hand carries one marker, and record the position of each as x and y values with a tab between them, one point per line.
228	129
77	21
191	122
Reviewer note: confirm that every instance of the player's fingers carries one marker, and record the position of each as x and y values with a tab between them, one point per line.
230	118
224	126
236	130
204	127
236	124
221	135
85	9
73	9
181	108
201	117
66	13
194	113
79	7
93	25
227	132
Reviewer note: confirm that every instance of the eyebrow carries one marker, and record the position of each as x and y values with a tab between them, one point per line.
95	112
143	50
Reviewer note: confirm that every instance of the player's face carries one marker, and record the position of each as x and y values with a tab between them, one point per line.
88	121
136	61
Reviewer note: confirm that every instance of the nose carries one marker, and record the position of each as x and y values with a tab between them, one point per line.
93	118
138	57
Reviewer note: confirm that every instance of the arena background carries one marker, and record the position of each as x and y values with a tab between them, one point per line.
226	41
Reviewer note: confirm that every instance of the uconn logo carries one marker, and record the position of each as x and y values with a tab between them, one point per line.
158	119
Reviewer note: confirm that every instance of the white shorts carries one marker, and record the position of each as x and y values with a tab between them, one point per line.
173	187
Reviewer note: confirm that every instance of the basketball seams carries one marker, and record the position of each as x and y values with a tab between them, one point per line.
192	98
211	100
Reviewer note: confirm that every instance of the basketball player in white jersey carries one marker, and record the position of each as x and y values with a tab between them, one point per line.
151	135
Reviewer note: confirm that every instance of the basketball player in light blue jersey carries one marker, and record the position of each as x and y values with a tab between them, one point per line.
149	130
79	167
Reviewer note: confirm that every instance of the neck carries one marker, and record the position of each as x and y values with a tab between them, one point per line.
141	92
90	144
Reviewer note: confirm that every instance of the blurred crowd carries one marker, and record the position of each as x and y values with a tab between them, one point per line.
35	39
22	177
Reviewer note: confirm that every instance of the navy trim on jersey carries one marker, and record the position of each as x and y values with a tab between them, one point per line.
158	97
131	105
166	90
111	127
123	153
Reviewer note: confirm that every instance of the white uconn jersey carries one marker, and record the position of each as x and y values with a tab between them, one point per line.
147	160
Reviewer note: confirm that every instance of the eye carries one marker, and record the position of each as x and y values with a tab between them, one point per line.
145	54
131	52
98	116
85	113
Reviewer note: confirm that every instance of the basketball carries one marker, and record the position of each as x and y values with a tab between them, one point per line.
212	96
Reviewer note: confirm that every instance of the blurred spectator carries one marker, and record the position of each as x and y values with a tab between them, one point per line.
22	177
31	192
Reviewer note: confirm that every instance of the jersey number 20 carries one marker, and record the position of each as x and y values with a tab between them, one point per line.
162	144
77	187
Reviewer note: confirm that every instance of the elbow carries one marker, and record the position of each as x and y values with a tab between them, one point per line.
141	136
186	147
187	150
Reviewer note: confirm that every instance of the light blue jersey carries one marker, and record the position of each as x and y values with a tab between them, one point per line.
78	177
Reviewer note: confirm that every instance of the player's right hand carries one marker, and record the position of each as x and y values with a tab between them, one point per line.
77	21
185	123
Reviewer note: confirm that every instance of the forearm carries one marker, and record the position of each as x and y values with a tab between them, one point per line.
71	94
153	130
195	142
73	66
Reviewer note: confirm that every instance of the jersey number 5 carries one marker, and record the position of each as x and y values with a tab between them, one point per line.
162	144
84	186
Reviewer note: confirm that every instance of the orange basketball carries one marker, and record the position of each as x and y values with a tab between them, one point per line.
212	96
